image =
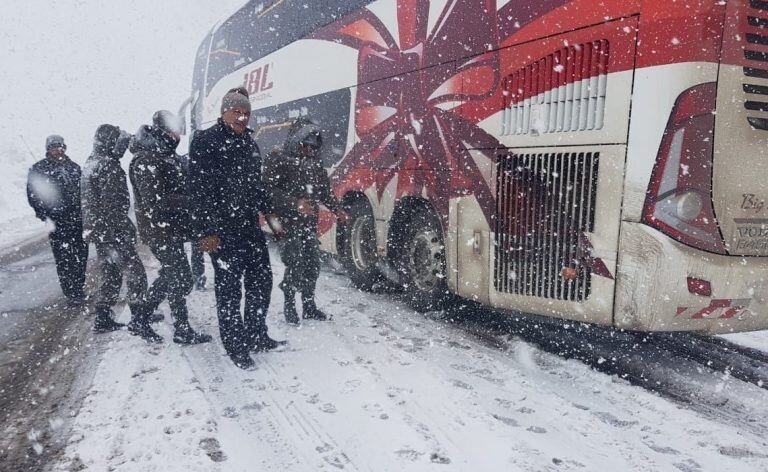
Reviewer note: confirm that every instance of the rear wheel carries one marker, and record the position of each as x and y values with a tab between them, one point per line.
422	263
358	247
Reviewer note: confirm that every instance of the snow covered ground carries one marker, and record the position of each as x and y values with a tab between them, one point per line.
381	388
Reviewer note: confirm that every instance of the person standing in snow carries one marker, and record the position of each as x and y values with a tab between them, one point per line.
228	196
162	208
196	259
299	184
53	191
105	205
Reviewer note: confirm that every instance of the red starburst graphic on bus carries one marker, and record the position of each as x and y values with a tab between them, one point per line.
410	86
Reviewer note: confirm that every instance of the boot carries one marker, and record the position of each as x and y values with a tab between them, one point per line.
289	308
200	283
311	311
104	322
139	325
242	360
264	343
184	334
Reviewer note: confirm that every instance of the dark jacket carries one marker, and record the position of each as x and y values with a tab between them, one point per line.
53	190
159	187
291	176
225	181
105	197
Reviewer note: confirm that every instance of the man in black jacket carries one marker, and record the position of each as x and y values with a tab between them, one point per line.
53	191
228	195
299	183
162	211
105	202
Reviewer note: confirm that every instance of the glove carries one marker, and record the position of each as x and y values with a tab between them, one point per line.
209	243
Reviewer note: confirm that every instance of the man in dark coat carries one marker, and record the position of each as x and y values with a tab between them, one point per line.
53	191
162	210
105	202
299	183
228	195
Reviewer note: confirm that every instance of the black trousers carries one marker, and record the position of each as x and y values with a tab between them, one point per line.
71	255
242	263
197	264
174	280
116	259
300	252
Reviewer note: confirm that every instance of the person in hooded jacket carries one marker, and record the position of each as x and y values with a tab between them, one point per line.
228	196
53	191
299	184
162	211
105	205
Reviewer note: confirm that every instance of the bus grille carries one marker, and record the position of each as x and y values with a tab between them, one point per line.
756	36
544	205
564	91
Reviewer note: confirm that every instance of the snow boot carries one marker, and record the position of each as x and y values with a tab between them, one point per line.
264	343
311	311
104	322
289	308
200	283
242	360
184	334
139	325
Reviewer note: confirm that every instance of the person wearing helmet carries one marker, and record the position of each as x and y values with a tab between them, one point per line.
53	192
299	184
105	206
162	214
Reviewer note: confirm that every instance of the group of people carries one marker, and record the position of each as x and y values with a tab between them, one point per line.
213	198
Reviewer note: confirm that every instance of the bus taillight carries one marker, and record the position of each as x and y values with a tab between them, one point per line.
679	197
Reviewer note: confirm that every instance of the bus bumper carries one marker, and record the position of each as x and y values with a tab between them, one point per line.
653	294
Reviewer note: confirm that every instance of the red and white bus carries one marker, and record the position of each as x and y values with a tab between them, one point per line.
603	162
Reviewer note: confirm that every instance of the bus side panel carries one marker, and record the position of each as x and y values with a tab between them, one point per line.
558	186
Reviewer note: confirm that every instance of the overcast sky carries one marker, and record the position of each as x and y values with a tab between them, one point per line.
67	66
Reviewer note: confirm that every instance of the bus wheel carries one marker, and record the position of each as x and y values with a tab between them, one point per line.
422	263
358	247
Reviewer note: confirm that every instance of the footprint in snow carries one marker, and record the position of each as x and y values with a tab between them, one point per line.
460	384
506	420
212	449
328	408
608	418
410	454
688	466
230	412
438	458
255	406
537	429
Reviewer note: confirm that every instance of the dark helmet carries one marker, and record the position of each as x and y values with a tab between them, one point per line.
304	132
166	130
167	121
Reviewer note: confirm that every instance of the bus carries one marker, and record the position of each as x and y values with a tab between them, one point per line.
602	163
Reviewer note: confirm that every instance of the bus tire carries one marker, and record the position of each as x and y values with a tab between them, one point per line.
358	247
422	264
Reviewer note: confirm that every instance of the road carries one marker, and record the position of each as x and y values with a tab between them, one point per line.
378	388
44	347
